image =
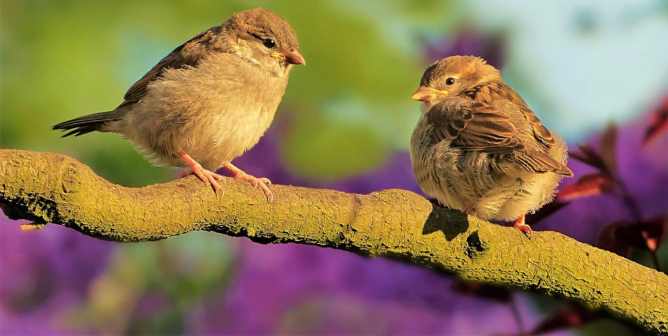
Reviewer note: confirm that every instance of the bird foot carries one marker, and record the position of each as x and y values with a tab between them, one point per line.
522	226
203	174
261	182
206	177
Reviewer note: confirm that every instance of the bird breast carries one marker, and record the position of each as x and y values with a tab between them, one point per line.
436	167
213	112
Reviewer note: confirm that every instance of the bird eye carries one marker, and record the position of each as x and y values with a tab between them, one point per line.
269	43
449	81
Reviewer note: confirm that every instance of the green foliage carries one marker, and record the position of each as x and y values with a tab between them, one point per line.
349	105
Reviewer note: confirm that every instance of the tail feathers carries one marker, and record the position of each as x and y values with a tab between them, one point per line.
539	162
86	124
564	171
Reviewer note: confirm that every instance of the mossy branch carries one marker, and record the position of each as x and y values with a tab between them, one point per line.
53	188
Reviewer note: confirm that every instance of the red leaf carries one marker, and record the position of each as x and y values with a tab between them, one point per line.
607	239
653	231
544	212
482	291
589	156
609	147
659	123
569	316
631	235
587	185
620	236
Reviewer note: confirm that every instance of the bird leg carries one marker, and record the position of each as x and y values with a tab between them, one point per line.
203	174
262	182
522	226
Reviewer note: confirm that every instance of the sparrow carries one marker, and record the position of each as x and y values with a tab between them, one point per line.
209	100
479	148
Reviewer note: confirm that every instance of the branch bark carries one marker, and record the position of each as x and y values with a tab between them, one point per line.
53	188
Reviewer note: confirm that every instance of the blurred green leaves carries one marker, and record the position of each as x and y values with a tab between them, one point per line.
62	59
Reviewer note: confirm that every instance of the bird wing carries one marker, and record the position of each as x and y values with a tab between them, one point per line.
473	126
187	54
540	132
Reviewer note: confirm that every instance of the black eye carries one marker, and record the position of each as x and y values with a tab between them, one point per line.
449	81
269	43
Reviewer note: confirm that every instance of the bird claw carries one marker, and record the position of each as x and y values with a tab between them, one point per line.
206	177
203	174
522	226
262	182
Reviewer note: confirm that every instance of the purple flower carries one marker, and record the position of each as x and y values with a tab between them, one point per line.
643	170
468	41
43	274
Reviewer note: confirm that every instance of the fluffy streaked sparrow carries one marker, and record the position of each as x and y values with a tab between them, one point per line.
209	100
479	148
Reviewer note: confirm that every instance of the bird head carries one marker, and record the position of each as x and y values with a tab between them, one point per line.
264	38
452	76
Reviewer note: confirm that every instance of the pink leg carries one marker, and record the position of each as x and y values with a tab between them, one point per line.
203	174
262	182
522	226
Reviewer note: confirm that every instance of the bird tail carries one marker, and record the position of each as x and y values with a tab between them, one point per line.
86	124
564	171
536	161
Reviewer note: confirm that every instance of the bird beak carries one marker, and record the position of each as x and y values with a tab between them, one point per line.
426	94
293	56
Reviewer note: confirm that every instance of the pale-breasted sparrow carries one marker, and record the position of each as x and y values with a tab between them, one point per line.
479	148
209	100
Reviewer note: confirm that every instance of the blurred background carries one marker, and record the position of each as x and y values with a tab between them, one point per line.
344	123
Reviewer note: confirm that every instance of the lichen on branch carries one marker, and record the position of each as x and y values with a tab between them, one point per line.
53	188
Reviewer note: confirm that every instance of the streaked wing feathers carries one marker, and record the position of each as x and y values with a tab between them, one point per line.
477	127
541	133
473	126
538	162
187	54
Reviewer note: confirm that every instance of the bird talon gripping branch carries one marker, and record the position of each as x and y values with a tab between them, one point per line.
522	226
262	182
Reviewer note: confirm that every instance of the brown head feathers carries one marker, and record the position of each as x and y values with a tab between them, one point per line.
261	23
471	69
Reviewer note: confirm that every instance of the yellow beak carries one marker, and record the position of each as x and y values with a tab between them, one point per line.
291	56
425	94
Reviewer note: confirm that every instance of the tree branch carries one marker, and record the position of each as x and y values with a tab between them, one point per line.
48	187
